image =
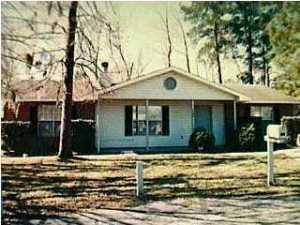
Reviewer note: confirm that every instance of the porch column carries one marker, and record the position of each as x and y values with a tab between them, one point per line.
234	115
97	133
147	125
193	115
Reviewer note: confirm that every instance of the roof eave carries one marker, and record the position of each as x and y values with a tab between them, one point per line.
271	102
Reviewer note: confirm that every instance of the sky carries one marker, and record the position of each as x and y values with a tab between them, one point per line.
144	38
143	28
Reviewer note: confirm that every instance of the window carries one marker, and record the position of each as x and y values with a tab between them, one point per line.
135	120
139	120
155	120
170	83
49	120
265	112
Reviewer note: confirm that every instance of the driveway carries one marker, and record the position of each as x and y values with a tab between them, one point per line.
250	210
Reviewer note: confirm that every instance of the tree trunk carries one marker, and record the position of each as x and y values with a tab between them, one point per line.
65	143
248	22
268	77
217	49
169	39
264	76
187	56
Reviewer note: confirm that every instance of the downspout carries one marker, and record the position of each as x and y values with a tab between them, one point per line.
193	115
147	125
97	133
234	115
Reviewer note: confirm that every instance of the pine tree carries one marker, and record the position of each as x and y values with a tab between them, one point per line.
208	26
284	31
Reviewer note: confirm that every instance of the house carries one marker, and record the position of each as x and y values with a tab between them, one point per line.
159	109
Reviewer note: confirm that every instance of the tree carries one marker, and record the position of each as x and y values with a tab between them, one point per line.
209	25
185	43
65	143
248	28
30	34
167	30
284	36
264	54
243	26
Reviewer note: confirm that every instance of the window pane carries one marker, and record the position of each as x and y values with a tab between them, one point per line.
155	113
49	113
56	114
141	128
46	129
141	113
134	112
266	113
155	127
56	128
255	111
134	128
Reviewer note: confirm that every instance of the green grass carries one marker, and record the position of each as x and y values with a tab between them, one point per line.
43	186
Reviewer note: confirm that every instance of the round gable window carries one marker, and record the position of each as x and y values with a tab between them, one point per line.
170	83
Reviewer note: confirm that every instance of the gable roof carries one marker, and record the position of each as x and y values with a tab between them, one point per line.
177	71
258	94
50	90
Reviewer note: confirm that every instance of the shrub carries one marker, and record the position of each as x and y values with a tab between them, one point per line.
83	139
21	138
201	138
17	136
292	124
247	136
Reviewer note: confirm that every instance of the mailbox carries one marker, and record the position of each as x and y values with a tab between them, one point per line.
276	131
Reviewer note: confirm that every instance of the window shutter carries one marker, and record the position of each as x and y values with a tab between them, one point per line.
128	120
165	120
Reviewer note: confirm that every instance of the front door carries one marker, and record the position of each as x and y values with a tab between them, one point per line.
203	117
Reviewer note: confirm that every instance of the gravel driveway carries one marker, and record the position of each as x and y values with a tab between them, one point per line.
250	210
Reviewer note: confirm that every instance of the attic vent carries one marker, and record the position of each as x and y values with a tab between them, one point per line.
170	83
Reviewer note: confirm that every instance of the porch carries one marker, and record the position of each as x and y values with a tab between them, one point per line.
155	124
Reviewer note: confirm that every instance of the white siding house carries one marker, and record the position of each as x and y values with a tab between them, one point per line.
143	125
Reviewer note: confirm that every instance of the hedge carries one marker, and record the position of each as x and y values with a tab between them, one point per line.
292	124
21	137
17	136
83	140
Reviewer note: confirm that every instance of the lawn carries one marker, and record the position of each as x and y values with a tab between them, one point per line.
42	186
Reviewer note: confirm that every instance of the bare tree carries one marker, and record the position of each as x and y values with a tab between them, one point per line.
186	48
166	28
65	143
29	36
118	52
35	35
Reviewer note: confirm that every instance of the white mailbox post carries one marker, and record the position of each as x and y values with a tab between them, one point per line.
275	134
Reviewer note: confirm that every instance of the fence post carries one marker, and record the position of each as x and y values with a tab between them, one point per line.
139	180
